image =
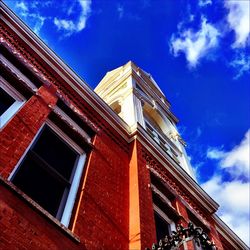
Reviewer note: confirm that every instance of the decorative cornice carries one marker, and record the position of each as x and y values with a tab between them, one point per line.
17	74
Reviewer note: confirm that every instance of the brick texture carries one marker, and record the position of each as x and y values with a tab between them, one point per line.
16	136
102	217
22	228
215	236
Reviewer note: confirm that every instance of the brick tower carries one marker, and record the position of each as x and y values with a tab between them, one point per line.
84	169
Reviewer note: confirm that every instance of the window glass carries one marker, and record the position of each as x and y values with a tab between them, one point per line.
5	101
44	174
42	187
162	227
55	152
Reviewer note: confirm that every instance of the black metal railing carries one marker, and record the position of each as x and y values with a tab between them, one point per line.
175	240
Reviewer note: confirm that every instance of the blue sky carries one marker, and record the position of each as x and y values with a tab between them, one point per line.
199	54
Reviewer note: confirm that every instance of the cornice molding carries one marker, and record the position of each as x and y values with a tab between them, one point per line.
57	66
228	234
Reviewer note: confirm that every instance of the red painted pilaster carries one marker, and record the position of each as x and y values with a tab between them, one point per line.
142	231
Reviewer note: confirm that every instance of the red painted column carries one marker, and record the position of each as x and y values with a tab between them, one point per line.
142	231
16	136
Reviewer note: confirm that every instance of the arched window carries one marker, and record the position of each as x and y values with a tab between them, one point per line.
116	106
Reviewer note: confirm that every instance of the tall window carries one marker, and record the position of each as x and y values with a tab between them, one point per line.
10	102
50	172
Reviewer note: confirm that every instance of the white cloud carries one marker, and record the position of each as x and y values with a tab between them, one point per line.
232	195
71	26
233	198
238	19
203	3
198	45
236	160
195	45
241	63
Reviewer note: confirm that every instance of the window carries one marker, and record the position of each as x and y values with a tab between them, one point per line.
162	227
116	106
6	101
10	102
162	141
50	172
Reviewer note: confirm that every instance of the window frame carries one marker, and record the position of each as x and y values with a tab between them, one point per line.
13	108
68	200
165	217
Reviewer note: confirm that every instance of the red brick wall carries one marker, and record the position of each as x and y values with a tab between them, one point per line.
102	216
16	136
214	236
23	228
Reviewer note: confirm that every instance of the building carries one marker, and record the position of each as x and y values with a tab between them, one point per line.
92	170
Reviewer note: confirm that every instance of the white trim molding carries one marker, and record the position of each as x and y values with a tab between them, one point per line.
13	108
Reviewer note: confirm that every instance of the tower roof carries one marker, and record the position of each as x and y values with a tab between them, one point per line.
149	80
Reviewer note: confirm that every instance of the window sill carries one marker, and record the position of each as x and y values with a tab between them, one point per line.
39	209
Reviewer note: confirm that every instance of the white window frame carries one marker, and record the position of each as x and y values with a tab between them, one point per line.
12	110
70	200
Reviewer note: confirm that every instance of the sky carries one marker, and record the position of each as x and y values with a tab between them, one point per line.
199	54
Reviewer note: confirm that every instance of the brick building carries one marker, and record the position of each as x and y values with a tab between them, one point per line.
84	169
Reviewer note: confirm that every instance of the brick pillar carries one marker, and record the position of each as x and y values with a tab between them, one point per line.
214	236
16	136
142	231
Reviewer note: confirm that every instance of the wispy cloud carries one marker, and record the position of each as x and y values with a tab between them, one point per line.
69	26
232	194
120	10
195	45
29	11
23	7
238	19
241	64
203	3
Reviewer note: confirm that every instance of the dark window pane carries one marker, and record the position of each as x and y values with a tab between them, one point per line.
43	188
56	152
162	227
45	171
5	101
